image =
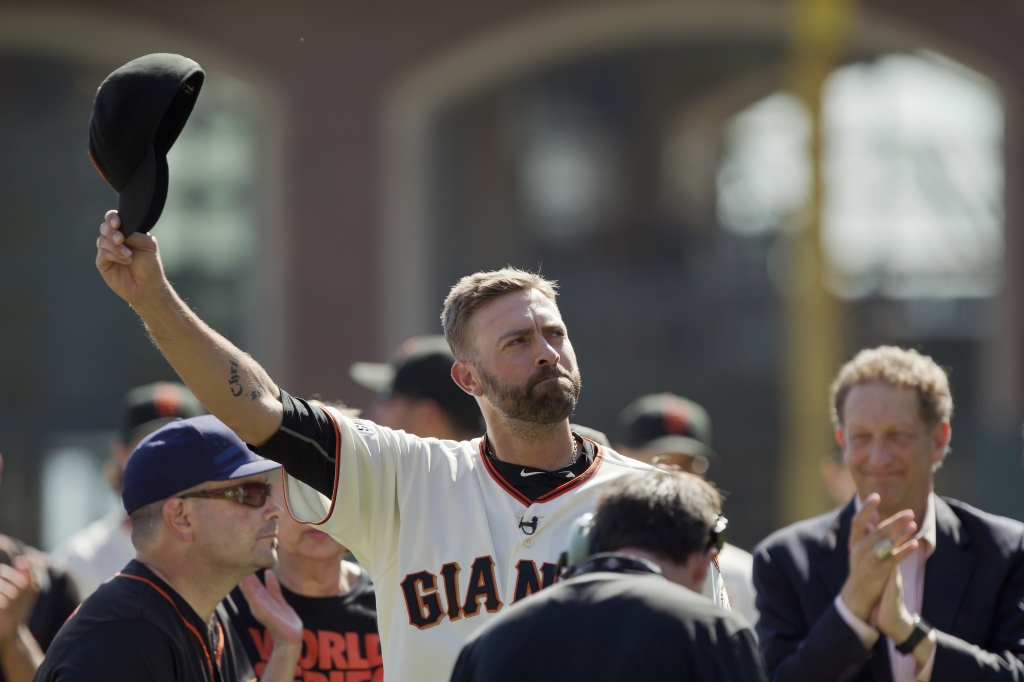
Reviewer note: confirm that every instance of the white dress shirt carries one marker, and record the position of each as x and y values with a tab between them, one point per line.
738	575
904	667
93	555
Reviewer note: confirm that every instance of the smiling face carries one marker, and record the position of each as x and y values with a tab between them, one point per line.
232	535
888	447
522	363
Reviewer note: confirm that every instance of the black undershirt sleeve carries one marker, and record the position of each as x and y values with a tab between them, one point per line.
305	445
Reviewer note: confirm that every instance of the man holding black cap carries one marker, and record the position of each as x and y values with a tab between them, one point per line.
416	392
416	512
674	433
99	550
202	520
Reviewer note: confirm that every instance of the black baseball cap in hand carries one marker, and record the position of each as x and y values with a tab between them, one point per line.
139	111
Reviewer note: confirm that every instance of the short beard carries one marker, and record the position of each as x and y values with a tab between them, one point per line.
527	406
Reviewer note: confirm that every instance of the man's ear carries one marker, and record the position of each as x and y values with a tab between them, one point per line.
177	520
841	442
465	376
941	435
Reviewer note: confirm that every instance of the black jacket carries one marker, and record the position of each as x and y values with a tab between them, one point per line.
136	628
618	622
973	597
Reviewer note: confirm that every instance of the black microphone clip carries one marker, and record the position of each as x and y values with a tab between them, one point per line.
529	527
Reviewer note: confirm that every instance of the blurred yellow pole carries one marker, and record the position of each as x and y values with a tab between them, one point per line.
813	333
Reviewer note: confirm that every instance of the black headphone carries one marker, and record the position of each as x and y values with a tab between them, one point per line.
583	542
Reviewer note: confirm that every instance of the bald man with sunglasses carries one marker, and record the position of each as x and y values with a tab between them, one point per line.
202	522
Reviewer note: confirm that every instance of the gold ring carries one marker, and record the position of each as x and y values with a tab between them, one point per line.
883	549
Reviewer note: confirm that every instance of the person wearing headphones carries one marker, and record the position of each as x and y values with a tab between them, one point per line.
671	432
631	598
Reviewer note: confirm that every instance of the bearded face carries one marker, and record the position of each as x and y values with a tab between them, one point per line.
548	397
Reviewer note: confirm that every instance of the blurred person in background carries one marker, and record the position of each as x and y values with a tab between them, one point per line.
627	618
202	521
35	600
333	597
670	432
101	549
899	585
416	392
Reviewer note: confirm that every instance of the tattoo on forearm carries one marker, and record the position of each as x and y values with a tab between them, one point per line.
260	387
235	381
257	385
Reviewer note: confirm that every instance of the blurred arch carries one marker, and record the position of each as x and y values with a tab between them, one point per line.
556	36
105	41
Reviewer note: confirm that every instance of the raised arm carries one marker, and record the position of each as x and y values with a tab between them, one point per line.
229	383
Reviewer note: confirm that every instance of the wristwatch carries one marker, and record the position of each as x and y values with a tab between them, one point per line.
921	630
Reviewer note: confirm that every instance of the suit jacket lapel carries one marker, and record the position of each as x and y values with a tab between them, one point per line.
835	549
948	571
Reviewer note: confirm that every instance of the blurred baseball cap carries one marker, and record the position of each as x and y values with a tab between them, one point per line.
185	453
147	408
420	368
664	423
139	111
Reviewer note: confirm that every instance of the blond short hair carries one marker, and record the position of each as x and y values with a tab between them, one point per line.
472	292
904	368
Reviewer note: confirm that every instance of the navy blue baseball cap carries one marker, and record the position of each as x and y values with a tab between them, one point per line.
185	453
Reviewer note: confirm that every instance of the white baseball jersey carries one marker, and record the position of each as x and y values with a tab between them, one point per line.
440	532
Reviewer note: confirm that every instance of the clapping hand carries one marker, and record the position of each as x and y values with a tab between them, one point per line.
18	592
871	566
269	607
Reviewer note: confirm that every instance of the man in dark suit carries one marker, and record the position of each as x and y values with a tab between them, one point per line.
933	592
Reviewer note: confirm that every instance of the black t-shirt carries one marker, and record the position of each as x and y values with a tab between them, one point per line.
136	628
338	634
627	622
306	446
58	596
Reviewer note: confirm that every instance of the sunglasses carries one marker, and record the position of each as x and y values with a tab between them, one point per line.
718	533
249	494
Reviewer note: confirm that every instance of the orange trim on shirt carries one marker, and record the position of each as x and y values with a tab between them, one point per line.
220	642
189	625
499	479
548	496
337	471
